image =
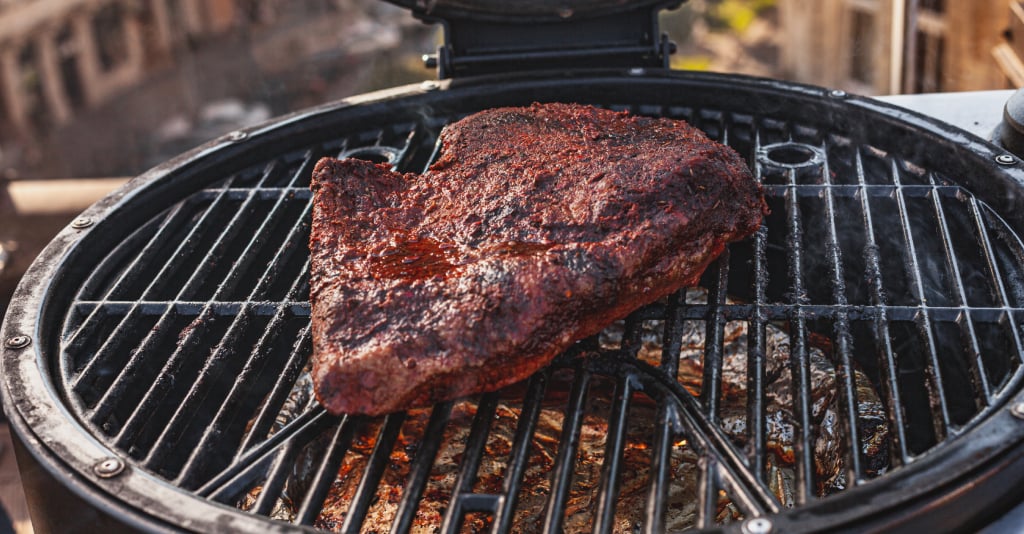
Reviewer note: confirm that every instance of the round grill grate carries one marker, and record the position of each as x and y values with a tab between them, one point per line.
866	338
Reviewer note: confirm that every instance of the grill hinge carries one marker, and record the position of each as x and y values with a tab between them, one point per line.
617	40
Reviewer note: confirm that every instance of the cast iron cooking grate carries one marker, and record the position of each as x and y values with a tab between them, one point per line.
184	346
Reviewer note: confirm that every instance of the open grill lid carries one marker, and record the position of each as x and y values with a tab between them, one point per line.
493	36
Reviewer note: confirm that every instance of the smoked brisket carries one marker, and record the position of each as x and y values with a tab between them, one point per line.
536	227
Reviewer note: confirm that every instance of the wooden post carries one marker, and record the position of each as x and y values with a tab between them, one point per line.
10	76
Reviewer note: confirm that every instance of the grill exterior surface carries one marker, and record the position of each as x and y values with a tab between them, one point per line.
172	333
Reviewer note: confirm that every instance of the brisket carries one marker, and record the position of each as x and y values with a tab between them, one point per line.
536	227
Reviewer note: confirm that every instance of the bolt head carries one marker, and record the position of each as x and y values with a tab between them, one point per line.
757	525
17	342
237	135
81	222
430	85
837	93
1005	159
1017	410
108	468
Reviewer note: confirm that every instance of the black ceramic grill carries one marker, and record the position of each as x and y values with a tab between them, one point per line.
155	355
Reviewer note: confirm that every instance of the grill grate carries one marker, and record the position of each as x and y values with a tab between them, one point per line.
185	347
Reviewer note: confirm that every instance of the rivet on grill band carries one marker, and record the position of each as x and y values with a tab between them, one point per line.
430	85
17	342
108	468
837	93
81	222
1017	410
237	135
757	525
1005	159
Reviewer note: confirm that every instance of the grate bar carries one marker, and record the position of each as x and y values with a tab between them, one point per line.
472	454
110	348
241	393
988	252
661	469
372	474
274	269
305	169
799	361
993	265
521	445
165	380
327	472
854	190
231	231
115	393
845	369
277	475
282	387
246	468
184	248
672	336
172	222
567	448
241	389
972	347
711	385
941	422
751	494
887	359
757	350
611	468
419	471
185	411
259	237
708	486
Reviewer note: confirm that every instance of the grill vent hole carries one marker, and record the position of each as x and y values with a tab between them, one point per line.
791	154
375	154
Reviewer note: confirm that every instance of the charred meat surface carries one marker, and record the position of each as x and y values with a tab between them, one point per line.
536	227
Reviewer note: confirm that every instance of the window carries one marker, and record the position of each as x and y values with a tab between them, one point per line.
32	88
108	30
67	53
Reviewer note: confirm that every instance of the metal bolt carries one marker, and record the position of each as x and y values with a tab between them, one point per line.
1017	410
430	85
757	525
835	93
237	135
637	71
1005	159
108	468
81	222
17	342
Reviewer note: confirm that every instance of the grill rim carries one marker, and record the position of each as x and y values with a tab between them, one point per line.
32	402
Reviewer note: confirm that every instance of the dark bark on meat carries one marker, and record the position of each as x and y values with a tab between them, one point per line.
536	227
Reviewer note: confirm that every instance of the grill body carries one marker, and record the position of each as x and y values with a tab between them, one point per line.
169	333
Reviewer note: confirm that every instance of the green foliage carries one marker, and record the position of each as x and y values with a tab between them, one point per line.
692	62
736	15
